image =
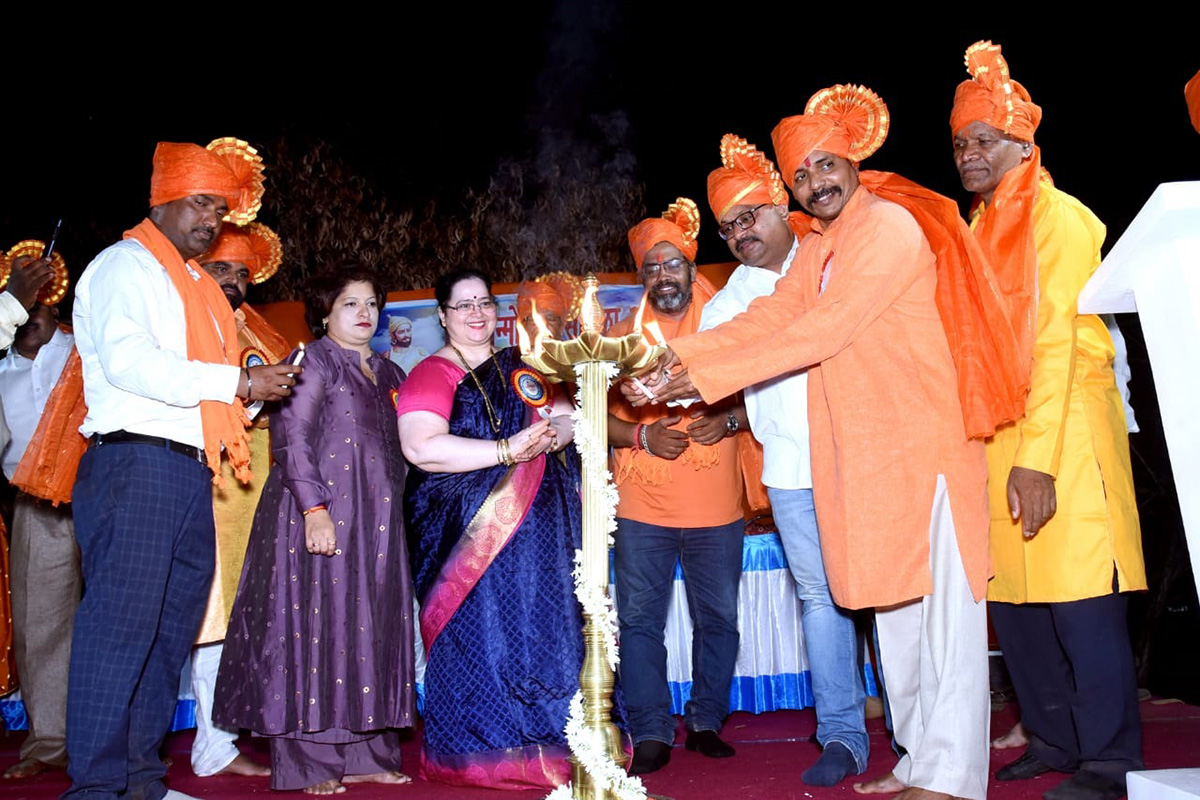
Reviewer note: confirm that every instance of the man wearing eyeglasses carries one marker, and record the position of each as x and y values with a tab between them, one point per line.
899	486
680	487
750	203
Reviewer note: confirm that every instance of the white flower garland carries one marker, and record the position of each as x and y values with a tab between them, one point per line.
588	746
594	454
598	606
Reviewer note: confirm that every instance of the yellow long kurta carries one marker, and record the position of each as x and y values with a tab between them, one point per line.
1073	429
233	511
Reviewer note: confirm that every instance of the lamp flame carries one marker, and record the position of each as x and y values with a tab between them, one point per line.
539	322
650	330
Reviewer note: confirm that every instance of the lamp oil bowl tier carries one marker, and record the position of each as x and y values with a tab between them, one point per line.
593	361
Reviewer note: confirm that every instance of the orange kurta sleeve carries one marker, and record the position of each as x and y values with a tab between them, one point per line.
732	356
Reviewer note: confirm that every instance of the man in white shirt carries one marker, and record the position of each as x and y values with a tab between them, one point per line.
158	344
750	203
44	559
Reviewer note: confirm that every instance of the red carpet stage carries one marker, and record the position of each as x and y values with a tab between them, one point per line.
773	748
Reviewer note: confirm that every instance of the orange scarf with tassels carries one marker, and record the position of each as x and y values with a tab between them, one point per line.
212	338
976	311
48	468
1004	231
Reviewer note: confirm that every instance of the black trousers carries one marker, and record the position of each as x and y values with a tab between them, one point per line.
1072	668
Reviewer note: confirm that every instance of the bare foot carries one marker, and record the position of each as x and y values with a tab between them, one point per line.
1016	737
885	785
26	768
242	765
378	777
917	793
330	786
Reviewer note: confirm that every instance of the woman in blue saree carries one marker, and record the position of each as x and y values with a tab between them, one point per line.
493	513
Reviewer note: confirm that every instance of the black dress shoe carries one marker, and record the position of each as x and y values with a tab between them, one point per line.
707	743
649	756
1026	767
1084	785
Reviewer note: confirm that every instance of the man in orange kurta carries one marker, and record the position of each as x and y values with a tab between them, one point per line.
240	257
898	486
680	485
1065	537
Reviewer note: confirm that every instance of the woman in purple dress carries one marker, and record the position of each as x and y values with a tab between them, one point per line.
319	654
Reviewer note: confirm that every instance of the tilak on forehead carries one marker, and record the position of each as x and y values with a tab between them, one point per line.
746	178
679	225
845	120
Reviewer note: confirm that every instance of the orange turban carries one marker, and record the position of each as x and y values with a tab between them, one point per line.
846	120
746	177
991	97
1192	93
228	168
679	225
555	293
255	245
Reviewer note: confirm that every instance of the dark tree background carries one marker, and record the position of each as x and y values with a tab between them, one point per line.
529	138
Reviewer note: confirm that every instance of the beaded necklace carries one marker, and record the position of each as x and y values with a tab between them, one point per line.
493	418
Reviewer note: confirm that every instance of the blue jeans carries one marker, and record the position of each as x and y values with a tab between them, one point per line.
829	637
645	575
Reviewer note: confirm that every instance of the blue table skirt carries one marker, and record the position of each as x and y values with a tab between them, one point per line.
772	668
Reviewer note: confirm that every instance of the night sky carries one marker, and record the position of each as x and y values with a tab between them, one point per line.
425	103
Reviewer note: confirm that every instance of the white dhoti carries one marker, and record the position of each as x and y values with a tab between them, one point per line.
214	748
935	665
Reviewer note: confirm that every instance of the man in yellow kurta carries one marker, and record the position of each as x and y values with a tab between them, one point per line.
241	256
1065	539
899	488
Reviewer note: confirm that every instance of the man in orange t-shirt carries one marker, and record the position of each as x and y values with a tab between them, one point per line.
680	488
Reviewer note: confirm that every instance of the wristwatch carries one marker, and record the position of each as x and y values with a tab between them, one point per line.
731	425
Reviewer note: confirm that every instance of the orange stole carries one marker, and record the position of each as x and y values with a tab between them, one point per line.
47	470
211	337
993	373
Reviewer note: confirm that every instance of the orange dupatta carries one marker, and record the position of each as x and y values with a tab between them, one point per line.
48	468
993	373
211	338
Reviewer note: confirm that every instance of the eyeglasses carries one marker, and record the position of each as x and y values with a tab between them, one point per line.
744	220
487	305
674	266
